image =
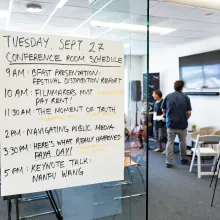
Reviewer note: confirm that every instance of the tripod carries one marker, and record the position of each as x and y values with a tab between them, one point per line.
217	166
135	129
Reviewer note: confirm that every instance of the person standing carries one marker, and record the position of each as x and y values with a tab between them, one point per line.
159	125
142	134
177	108
143	123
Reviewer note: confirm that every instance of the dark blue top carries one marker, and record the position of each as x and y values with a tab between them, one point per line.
158	110
177	105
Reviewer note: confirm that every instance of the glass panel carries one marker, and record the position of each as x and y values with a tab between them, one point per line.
188	52
115	20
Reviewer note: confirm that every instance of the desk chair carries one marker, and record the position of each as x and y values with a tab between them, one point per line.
217	169
18	199
217	132
209	130
128	164
200	150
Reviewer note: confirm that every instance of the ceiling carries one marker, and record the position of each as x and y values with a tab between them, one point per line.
190	22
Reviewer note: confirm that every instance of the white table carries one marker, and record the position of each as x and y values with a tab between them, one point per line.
188	139
188	142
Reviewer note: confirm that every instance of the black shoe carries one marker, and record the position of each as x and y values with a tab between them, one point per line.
168	165
184	161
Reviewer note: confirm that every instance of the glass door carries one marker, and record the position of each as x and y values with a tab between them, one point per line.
119	27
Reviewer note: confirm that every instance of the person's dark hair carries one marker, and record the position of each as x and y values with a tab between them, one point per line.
178	85
159	93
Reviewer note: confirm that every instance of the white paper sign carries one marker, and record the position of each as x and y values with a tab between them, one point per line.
62	112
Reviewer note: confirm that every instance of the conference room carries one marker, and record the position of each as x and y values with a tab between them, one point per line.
96	156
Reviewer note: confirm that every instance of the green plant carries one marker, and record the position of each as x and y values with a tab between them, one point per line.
194	127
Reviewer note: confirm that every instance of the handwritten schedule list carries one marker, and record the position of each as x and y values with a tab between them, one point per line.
61	112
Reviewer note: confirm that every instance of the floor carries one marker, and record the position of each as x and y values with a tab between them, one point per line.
173	194
177	194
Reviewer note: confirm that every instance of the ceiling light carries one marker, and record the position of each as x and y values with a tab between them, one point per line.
3	13
160	30
92	2
9	14
61	3
133	28
211	4
109	29
45	23
34	8
126	37
88	19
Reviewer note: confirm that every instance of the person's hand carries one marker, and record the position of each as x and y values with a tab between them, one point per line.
164	117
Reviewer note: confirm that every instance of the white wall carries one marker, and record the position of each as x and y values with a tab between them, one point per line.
133	71
206	110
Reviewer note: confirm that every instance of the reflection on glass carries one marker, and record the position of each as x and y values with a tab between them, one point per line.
207	76
192	76
212	76
120	20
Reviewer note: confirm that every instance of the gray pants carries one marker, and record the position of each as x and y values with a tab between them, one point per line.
171	134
